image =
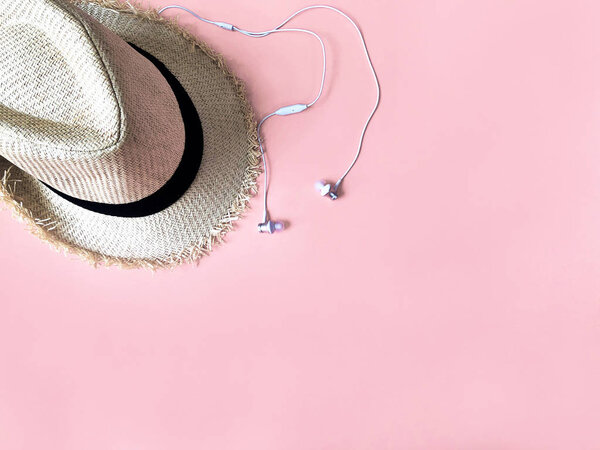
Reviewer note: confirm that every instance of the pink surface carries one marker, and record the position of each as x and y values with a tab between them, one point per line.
449	301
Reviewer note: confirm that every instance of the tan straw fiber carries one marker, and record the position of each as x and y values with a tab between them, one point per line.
84	113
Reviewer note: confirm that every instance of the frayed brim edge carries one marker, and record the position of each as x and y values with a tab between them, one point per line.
43	228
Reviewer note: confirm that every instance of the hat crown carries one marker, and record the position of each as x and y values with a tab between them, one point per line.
45	98
80	109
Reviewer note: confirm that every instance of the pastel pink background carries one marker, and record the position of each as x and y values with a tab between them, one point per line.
449	301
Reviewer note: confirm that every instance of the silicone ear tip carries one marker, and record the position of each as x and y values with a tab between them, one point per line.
279	226
322	187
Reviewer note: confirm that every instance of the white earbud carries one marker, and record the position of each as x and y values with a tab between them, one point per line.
270	227
326	189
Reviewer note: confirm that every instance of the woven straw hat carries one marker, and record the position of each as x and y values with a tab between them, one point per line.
122	138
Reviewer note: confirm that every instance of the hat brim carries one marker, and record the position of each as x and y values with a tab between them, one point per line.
226	180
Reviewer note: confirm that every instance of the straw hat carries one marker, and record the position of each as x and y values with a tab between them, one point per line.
122	138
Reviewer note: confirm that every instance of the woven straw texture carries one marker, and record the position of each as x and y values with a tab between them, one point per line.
72	93
189	228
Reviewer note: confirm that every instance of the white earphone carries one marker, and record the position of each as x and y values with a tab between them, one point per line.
326	189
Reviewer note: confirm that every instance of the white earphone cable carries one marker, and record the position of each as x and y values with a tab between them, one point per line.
183	8
320	93
265	168
371	67
373	72
293	109
261	34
